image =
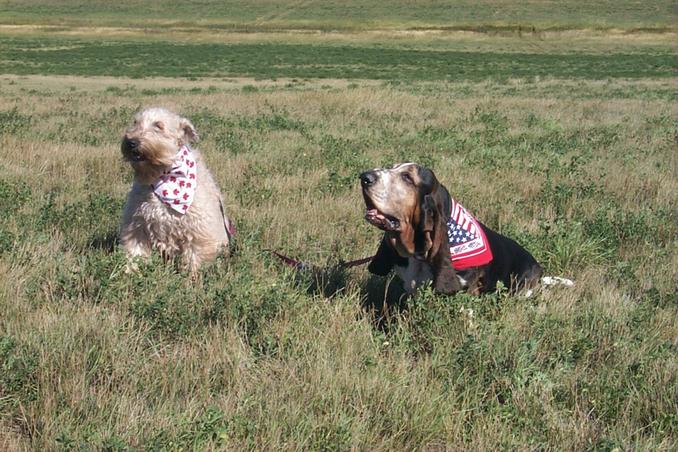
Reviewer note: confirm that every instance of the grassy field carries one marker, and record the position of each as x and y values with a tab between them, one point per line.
348	14
563	140
283	60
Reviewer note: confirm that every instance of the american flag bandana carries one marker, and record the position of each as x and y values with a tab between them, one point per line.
176	187
468	244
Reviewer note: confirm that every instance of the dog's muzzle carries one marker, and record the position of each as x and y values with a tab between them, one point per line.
130	149
372	214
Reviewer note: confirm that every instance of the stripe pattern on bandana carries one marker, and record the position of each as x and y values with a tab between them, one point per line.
176	186
468	244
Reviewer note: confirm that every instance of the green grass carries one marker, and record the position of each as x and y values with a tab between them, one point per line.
257	357
269	60
352	14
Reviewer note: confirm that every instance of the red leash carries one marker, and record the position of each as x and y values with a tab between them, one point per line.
356	262
304	266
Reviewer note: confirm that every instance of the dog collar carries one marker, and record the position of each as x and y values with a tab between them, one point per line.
176	186
468	244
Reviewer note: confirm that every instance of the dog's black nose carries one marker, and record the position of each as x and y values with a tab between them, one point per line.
368	178
130	144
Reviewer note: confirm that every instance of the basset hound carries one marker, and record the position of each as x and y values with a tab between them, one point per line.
428	236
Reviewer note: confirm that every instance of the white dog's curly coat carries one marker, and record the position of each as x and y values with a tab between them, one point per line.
152	145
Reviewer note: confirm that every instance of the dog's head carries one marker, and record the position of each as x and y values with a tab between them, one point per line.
411	206
151	143
406	201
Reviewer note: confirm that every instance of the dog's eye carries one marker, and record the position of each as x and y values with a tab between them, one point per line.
159	125
407	178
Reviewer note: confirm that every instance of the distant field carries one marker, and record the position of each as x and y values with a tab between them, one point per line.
351	14
564	140
47	55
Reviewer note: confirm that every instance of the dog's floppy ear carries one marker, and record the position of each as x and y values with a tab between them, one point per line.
429	213
186	126
440	197
384	260
435	209
445	278
438	206
427	227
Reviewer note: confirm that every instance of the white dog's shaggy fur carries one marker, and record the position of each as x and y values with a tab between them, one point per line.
150	145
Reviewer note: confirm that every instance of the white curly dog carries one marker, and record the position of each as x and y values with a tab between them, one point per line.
174	206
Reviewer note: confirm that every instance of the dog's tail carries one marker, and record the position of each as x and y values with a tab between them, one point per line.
547	281
550	281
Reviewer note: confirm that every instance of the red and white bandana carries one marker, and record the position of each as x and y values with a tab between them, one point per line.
468	244
176	186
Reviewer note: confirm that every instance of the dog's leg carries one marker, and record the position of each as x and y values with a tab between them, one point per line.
190	261
136	244
196	253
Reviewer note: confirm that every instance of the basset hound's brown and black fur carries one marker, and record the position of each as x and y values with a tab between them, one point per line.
412	207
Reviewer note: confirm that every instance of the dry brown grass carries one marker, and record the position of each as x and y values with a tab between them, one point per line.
567	41
282	367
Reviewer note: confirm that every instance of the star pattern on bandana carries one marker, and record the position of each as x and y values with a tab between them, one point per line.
468	244
176	186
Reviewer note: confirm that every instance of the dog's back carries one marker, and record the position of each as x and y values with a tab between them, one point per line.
513	265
